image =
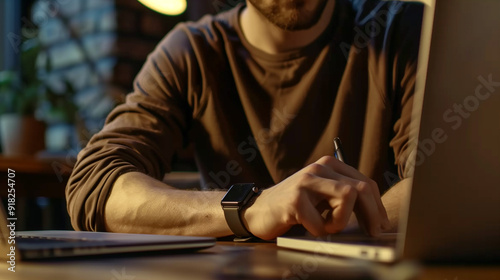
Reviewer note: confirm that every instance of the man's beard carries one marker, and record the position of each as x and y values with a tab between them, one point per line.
290	14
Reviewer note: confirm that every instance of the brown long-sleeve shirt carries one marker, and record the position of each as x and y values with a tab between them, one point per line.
256	117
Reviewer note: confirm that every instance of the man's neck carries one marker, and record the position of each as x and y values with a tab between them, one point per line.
271	39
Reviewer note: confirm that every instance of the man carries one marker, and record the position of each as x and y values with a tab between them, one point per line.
261	90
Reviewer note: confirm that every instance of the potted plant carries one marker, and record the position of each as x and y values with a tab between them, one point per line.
20	92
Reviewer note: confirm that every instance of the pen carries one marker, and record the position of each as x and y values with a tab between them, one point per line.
338	152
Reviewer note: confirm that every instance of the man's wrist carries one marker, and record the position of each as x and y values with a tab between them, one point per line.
251	214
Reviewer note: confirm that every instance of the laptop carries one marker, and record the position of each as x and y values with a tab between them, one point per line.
32	245
453	213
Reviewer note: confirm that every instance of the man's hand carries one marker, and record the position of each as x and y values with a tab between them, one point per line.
327	184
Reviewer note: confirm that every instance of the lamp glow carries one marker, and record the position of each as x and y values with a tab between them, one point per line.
167	7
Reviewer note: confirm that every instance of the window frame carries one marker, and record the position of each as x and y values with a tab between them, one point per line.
10	28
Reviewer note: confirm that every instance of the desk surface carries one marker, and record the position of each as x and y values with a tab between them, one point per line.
228	260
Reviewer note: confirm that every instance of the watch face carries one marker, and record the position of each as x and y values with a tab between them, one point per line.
237	194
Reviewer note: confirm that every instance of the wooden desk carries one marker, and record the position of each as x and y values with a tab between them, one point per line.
228	260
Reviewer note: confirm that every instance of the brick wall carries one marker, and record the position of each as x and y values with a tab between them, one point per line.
78	38
99	46
139	30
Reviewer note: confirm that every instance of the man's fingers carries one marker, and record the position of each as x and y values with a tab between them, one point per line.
350	172
341	198
367	208
342	168
309	217
359	199
343	194
342	210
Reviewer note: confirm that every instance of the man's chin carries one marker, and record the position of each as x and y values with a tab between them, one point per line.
294	25
293	16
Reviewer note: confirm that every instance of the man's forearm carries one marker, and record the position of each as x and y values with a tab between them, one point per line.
394	199
141	204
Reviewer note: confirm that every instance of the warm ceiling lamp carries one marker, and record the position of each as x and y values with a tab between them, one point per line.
167	7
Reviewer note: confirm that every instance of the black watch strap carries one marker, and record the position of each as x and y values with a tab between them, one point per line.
235	223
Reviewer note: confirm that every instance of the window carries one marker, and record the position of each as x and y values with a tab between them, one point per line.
10	23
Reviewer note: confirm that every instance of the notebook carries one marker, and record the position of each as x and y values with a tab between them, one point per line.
454	210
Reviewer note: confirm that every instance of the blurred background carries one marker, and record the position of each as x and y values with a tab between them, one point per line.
64	65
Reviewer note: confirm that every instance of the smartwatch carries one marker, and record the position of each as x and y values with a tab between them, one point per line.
233	202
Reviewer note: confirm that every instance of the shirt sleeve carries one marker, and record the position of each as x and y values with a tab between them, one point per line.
141	135
406	42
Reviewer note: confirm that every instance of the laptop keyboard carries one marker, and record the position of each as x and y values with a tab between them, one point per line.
43	239
26	241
